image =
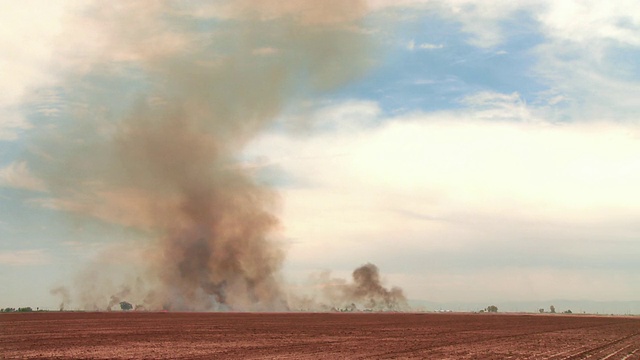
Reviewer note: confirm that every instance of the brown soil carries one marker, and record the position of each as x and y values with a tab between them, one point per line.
316	335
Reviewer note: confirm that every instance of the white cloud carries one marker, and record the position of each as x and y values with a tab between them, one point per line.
383	4
11	123
411	46
589	87
265	51
24	257
29	31
17	175
469	161
495	106
586	63
492	99
350	115
456	183
460	152
26	41
617	21
579	60
523	284
428	46
582	62
482	20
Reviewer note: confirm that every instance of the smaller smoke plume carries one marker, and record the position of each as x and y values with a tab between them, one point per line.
364	292
368	290
64	293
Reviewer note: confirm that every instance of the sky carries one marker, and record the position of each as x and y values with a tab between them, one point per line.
475	151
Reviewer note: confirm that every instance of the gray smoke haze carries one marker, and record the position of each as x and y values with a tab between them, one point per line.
160	99
63	292
116	298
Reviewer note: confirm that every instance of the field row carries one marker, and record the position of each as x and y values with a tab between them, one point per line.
317	335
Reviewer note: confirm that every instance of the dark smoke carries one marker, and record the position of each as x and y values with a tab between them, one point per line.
367	289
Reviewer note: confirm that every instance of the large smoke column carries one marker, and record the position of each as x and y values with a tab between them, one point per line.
161	98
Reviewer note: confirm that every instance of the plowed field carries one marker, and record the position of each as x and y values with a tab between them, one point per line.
316	335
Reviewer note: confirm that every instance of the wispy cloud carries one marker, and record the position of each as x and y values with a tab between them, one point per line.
584	63
17	175
428	46
599	20
591	83
491	105
24	257
24	59
492	99
11	124
265	51
483	21
411	46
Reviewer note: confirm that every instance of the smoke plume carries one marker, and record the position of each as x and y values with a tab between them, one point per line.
64	293
116	298
160	99
367	289
364	292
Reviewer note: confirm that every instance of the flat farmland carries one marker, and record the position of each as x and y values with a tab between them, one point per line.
120	335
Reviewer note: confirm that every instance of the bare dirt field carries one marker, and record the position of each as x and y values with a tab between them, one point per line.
316	335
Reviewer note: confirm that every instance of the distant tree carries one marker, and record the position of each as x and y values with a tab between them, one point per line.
25	309
125	306
492	308
552	309
541	310
568	312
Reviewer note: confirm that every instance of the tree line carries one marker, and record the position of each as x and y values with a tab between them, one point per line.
22	309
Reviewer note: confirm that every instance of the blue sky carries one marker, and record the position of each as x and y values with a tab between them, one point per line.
475	151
